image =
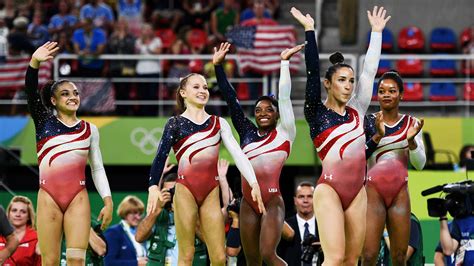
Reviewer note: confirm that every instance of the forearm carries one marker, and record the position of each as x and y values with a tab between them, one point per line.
417	151
97	244
145	227
445	239
284	102
12	244
313	82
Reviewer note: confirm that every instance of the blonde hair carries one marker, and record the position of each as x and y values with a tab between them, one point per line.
130	204
29	206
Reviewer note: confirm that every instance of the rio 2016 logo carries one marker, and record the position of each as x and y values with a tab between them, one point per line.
146	140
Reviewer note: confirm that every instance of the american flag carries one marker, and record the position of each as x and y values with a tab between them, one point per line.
12	74
259	47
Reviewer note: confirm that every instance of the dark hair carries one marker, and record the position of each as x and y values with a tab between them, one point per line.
182	83
169	177
48	91
337	61
304	184
393	75
462	154
269	98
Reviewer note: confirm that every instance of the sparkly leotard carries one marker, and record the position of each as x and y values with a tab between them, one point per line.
62	150
339	139
388	161
266	153
196	147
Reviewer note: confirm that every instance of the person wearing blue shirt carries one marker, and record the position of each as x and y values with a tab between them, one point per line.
89	42
63	21
99	12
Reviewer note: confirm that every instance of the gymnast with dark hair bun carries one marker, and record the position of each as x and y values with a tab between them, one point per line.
336	128
393	139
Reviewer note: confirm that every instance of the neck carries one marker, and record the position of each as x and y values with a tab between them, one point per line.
390	116
68	119
335	105
306	216
263	131
195	113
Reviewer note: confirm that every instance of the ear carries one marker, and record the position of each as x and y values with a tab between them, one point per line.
182	93
327	83
53	100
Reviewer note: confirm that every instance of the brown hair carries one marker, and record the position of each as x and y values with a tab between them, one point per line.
182	83
130	204
29	205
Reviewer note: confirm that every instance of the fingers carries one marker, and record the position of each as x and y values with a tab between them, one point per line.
387	19
374	11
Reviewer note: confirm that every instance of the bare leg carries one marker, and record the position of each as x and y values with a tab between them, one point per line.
376	214
77	223
330	224
212	227
270	231
398	225
249	233
49	222
185	218
355	225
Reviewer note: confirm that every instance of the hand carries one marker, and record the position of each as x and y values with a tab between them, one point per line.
219	54
377	19
307	21
289	52
142	261
4	254
106	213
45	52
222	167
165	197
257	196
154	195
379	125
414	129
233	215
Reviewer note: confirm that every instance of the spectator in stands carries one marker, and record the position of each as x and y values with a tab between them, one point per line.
249	11
439	258
223	18
178	68
89	42
122	42
21	215
100	13
164	13
64	43
3	40
303	224
197	13
9	12
131	12
18	41
37	31
7	234
123	249
148	44
64	21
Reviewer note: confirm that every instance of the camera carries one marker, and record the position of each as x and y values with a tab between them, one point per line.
458	200
309	250
234	205
168	204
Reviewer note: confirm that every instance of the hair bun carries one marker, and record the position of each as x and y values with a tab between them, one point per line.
336	58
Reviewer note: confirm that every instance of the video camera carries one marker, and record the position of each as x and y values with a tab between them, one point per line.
168	204
309	249
459	200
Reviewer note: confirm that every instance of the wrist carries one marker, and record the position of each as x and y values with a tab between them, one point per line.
443	218
377	137
34	63
309	28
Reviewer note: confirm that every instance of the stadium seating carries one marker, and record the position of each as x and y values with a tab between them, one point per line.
387	40
384	66
413	92
410	67
197	38
443	92
443	68
469	91
167	37
466	36
411	40
374	92
443	40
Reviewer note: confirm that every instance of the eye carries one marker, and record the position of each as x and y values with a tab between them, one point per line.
352	81
76	93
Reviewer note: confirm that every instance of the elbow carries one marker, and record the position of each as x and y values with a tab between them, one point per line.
232	252
102	250
139	237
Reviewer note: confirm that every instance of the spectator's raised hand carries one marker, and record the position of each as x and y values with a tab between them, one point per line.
307	21
219	54
289	52
377	18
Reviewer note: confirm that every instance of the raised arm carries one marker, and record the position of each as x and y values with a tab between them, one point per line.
100	178
363	91
241	161
241	123
159	164
313	82
285	108
43	53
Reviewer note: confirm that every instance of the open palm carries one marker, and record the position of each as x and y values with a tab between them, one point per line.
377	18
289	52
219	54
414	129
307	21
46	51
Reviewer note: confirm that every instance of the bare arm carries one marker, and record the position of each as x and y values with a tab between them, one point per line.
10	247
287	233
97	243
448	244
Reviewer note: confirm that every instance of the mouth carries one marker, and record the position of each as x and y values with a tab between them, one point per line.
386	101
264	119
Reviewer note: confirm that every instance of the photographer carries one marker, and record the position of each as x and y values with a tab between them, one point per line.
458	240
159	228
306	236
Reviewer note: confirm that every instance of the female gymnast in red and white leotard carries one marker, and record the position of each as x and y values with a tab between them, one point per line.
267	146
336	127
195	137
392	140
64	144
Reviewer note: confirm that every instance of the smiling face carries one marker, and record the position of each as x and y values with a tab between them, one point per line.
195	92
18	214
388	94
266	115
341	85
66	98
